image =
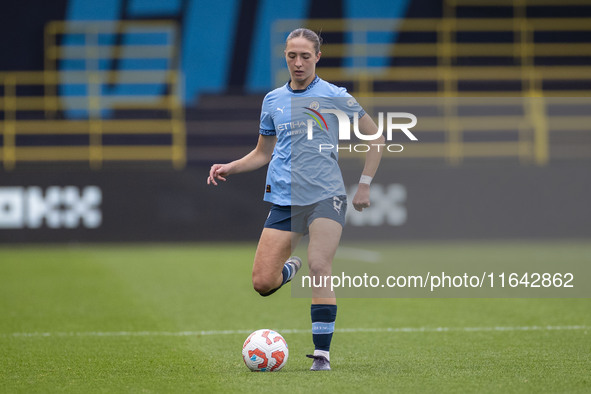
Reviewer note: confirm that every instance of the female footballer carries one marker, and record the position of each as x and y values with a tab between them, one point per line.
304	182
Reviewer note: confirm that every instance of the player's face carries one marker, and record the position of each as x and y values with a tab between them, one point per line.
301	61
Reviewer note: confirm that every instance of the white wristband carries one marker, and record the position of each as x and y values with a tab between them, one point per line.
365	179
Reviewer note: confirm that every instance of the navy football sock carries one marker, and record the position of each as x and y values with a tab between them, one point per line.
323	318
286	273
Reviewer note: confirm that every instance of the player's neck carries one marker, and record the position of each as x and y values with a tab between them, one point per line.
294	85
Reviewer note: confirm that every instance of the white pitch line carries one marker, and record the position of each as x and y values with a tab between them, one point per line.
289	331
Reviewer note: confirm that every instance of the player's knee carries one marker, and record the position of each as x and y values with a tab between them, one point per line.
262	285
319	267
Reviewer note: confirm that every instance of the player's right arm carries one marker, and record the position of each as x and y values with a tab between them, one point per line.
258	157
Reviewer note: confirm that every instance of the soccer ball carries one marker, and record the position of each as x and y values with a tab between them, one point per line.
265	350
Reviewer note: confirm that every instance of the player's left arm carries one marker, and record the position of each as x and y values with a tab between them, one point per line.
372	161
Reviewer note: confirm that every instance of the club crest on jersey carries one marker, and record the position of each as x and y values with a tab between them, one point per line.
314	105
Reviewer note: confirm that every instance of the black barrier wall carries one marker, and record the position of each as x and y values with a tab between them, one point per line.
133	206
499	202
469	202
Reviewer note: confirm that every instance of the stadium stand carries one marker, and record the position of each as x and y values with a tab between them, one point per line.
537	53
80	110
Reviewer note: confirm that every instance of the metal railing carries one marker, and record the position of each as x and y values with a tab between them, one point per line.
455	57
66	113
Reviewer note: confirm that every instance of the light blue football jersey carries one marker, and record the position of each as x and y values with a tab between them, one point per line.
304	170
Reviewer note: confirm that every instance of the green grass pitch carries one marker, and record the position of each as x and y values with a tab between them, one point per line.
172	318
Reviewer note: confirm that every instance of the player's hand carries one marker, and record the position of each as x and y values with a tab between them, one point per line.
218	172
361	198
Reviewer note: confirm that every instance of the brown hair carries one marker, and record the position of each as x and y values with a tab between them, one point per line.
308	35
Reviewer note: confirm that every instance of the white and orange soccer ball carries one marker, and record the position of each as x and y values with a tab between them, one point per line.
265	350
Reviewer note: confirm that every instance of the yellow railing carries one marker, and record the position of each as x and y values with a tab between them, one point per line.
440	63
446	50
33	105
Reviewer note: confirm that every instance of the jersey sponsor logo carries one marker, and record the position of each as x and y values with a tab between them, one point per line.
281	109
291	125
